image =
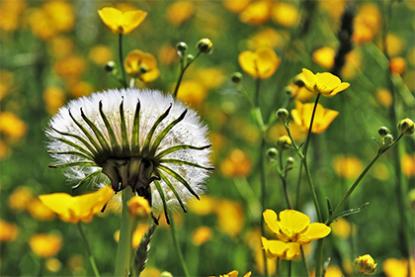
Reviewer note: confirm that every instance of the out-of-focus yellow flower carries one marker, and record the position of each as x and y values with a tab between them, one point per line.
6	82
348	167
256	12
201	235
61	14
139	206
150	272
325	83
408	165
322	119
61	46
291	229
45	245
4	150
353	64
230	217
266	38
381	171
236	6
76	263
100	54
141	65
79	89
259	262
366	23
121	22
211	77
384	97
77	208
397	65
206	205
20	198
138	234
234	273
53	265
324	57
70	67
394	44
179	12
300	92
167	54
333	271
341	228
39	211
365	264
10	14
334	13
8	231
285	14
236	164
12	126
192	93
261	63
54	98
278	130
397	267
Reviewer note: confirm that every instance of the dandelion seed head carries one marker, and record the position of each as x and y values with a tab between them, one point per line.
67	139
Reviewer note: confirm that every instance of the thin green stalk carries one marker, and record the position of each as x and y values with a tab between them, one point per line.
121	61
289	268
304	259
263	196
319	258
313	114
176	245
181	74
123	256
283	177
88	250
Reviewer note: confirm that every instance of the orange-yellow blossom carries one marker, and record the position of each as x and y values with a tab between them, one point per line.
139	206
261	63
141	65
322	119
324	83
121	22
77	208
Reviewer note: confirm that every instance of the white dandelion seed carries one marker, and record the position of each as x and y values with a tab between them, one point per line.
138	138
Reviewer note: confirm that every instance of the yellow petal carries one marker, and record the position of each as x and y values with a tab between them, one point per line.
314	231
60	203
247	61
111	18
322	123
270	219
132	19
292	251
308	78
293	222
267	62
274	248
326	82
340	88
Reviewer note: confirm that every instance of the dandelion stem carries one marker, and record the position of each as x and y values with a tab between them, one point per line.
177	246
122	261
88	250
121	61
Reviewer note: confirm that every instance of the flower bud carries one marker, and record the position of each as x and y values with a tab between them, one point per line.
109	66
138	206
190	57
406	126
365	264
282	114
272	153
236	77
181	48
284	142
205	45
383	131
166	274
387	140
289	163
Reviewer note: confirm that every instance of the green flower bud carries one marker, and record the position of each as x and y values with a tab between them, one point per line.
387	140
282	114
406	126
236	77
205	45
284	142
181	48
383	131
289	163
272	153
109	66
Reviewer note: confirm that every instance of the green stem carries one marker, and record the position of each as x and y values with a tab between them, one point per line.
181	74
319	258
121	61
263	195
176	245
88	250
283	178
313	114
123	256
304	259
289	268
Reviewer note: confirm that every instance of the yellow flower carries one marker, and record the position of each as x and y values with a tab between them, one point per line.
45	245
77	208
322	119
235	6
138	234
121	22
341	228
39	211
53	265
398	268
397	65
292	229
324	57
179	12
259	64
230	217
10	14
365	264
256	12
54	98
192	93
333	271
71	67
206	205
236	164
366	23
61	46
12	126
201	235
266	38
325	83
348	167
384	97
285	14
8	231
100	54
235	273
141	65
408	165
6	82
20	198
139	206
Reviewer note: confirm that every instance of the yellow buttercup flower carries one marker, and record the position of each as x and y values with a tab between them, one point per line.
12	126
137	235
398	267
259	64
341	228
235	6
256	12
324	57
322	119
365	264
230	217
139	206
236	164
45	245
235	273
291	229
8	231
179	12
325	83
141	65
121	22
408	165
266	38
285	14
348	167
54	98
206	205
40	211
201	235
78	208
192	93
20	198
